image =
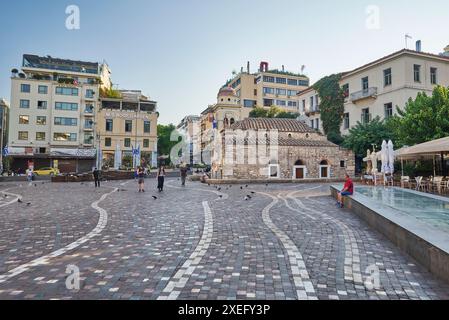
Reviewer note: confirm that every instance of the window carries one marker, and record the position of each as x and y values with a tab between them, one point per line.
281	103
67	91
41	120
249	103
42	89
281	92
346	120
146	126
88	124
267	90
25	104
365	84
127	142
42	105
66	106
417	72
23	135
267	102
317	124
292	82
342	164
292	92
109	125
292	104
255	92
387	77
89	93
304	83
312	102
57	136
60	121
281	80
107	142
24	119
388	107
366	116
40	136
146	143
88	138
303	105
128	125
89	108
268	79
312	124
273	171
25	88
345	89
433	75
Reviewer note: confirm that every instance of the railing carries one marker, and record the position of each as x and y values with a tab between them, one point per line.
364	94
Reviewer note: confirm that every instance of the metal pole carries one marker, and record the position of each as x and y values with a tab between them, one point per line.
1	138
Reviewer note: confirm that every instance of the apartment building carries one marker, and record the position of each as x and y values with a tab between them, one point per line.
127	123
4	114
190	127
375	89
53	103
268	87
309	108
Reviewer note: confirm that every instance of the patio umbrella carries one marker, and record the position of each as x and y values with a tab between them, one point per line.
391	156
384	157
117	157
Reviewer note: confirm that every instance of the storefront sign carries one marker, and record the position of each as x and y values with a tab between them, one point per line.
87	153
127	115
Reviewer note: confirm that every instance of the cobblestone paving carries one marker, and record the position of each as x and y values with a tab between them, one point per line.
280	241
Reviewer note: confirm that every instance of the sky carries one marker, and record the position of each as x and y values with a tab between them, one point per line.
180	52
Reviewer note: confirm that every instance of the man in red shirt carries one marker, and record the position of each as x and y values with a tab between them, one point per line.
348	190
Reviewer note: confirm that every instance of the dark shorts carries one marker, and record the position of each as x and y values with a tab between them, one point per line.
141	180
346	193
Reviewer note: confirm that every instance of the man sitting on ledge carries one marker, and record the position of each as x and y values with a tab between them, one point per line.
348	190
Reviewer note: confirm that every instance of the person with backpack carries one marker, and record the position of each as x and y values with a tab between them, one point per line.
161	178
96	174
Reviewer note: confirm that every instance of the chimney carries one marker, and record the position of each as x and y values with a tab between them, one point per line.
247	67
283	68
263	66
418	46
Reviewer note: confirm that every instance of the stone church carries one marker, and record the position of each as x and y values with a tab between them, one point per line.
271	148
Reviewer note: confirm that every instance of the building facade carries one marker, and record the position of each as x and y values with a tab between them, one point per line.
270	148
377	88
189	128
53	103
267	88
4	115
124	124
309	108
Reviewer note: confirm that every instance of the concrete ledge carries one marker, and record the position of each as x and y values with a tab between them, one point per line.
265	181
429	246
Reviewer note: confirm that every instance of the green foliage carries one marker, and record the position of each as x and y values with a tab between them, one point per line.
363	136
127	161
164	145
110	93
273	112
423	119
331	106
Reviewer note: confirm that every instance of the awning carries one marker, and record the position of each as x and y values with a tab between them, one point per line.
435	147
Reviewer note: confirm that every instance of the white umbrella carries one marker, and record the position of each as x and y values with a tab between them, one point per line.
384	157
117	157
136	155
391	156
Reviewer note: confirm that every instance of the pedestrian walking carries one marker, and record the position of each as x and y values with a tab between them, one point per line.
96	174
160	178
141	181
183	171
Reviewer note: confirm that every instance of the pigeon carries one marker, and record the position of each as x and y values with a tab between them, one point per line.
19	201
82	183
248	196
252	192
219	189
241	188
154	197
230	186
246	186
220	196
35	185
5	195
208	184
28	203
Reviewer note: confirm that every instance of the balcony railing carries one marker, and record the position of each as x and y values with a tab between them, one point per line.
314	109
364	94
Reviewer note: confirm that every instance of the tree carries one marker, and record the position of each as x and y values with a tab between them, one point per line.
287	115
273	112
164	145
331	106
363	136
423	119
258	112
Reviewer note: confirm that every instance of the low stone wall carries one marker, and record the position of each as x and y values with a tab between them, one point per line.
105	175
427	254
265	181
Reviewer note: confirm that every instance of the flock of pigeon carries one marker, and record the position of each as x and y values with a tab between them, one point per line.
247	197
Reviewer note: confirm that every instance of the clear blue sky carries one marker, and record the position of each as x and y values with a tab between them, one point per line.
181	52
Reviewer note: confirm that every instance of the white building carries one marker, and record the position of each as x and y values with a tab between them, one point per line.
53	103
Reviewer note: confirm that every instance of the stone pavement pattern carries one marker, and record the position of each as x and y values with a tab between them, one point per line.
199	242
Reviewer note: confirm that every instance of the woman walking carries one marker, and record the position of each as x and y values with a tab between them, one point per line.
160	178
141	176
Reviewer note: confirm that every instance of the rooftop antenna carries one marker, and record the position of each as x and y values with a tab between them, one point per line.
407	36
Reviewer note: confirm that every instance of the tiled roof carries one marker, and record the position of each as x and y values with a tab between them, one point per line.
290	142
282	125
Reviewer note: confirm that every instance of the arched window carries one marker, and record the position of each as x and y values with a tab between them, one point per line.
324	163
289	135
232	121
299	163
324	170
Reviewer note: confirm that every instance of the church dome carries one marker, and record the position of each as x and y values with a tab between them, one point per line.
226	92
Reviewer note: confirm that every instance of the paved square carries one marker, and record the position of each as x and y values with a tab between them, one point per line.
281	241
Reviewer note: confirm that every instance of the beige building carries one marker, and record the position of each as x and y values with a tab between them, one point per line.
124	124
190	127
376	88
268	87
270	148
309	108
53	103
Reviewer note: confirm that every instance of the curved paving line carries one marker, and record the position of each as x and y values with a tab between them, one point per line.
225	196
303	284
102	221
173	289
17	197
352	255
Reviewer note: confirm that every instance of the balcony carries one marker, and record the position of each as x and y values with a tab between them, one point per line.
313	110
364	94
